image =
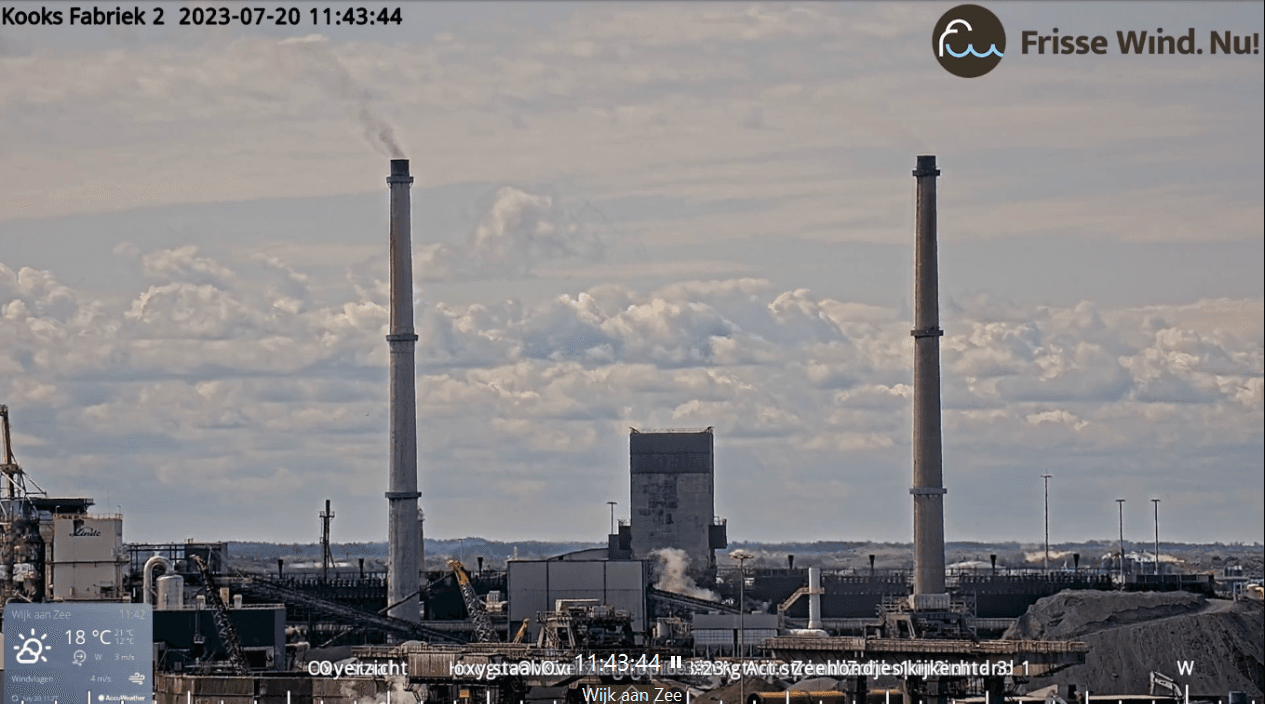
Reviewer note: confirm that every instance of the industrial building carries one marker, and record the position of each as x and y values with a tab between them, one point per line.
86	557
535	587
673	498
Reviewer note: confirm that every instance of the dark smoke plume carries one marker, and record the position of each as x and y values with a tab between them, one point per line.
318	59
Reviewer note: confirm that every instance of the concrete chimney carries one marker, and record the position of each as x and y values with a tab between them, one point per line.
928	487
404	531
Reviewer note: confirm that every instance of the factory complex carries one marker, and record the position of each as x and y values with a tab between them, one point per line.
666	607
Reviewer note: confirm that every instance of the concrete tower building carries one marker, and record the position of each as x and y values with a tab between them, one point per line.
673	495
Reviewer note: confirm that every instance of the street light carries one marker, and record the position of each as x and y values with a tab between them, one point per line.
741	556
612	505
1120	502
1157	534
1046	562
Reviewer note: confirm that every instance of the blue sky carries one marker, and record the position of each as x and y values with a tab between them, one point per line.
645	214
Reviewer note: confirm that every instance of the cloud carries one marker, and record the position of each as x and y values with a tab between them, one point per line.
203	369
517	231
579	100
184	264
766	125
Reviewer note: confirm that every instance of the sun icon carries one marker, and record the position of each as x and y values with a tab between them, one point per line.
32	649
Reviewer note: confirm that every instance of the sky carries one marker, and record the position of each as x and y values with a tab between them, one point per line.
651	215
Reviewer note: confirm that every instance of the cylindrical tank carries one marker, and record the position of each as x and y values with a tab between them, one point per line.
237	601
1238	697
170	592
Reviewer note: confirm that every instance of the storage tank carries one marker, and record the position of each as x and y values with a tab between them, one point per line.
170	592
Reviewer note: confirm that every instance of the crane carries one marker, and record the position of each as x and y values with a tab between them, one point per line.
483	630
223	625
522	631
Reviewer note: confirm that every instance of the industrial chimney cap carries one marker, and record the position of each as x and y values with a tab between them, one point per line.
926	166
399	172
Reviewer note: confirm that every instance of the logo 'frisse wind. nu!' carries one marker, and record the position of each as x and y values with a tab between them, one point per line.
968	41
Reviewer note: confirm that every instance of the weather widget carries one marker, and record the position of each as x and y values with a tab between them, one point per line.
78	652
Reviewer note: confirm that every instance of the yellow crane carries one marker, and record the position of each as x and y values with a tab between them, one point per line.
483	630
522	631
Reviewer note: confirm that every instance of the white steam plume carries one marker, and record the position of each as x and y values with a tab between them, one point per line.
672	578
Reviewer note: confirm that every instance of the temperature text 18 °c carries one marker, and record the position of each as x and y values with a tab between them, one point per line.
121	636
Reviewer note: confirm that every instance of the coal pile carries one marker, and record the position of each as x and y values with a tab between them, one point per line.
1131	635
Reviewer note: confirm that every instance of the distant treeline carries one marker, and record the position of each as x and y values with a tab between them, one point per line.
496	549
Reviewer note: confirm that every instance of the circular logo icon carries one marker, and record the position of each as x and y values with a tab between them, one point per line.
968	41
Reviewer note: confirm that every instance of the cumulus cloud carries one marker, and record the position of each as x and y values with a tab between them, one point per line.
516	231
208	367
184	264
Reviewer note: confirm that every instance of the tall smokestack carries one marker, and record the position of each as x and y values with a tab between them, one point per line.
404	532
928	489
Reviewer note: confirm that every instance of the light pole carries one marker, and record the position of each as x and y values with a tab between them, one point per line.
1157	534
741	556
1046	562
1120	502
612	505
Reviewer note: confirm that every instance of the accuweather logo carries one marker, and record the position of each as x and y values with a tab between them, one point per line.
969	41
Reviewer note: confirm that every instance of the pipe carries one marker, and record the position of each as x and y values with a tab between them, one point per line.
147	576
814	598
404	529
928	487
421	548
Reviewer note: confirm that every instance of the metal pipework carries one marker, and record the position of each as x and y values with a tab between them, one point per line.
147	576
928	487
814	598
404	529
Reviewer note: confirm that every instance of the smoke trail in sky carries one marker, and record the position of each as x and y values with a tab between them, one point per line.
319	60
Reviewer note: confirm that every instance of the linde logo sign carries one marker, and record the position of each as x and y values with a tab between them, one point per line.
969	41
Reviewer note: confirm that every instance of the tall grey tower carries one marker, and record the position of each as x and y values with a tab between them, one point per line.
404	532
928	488
673	495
